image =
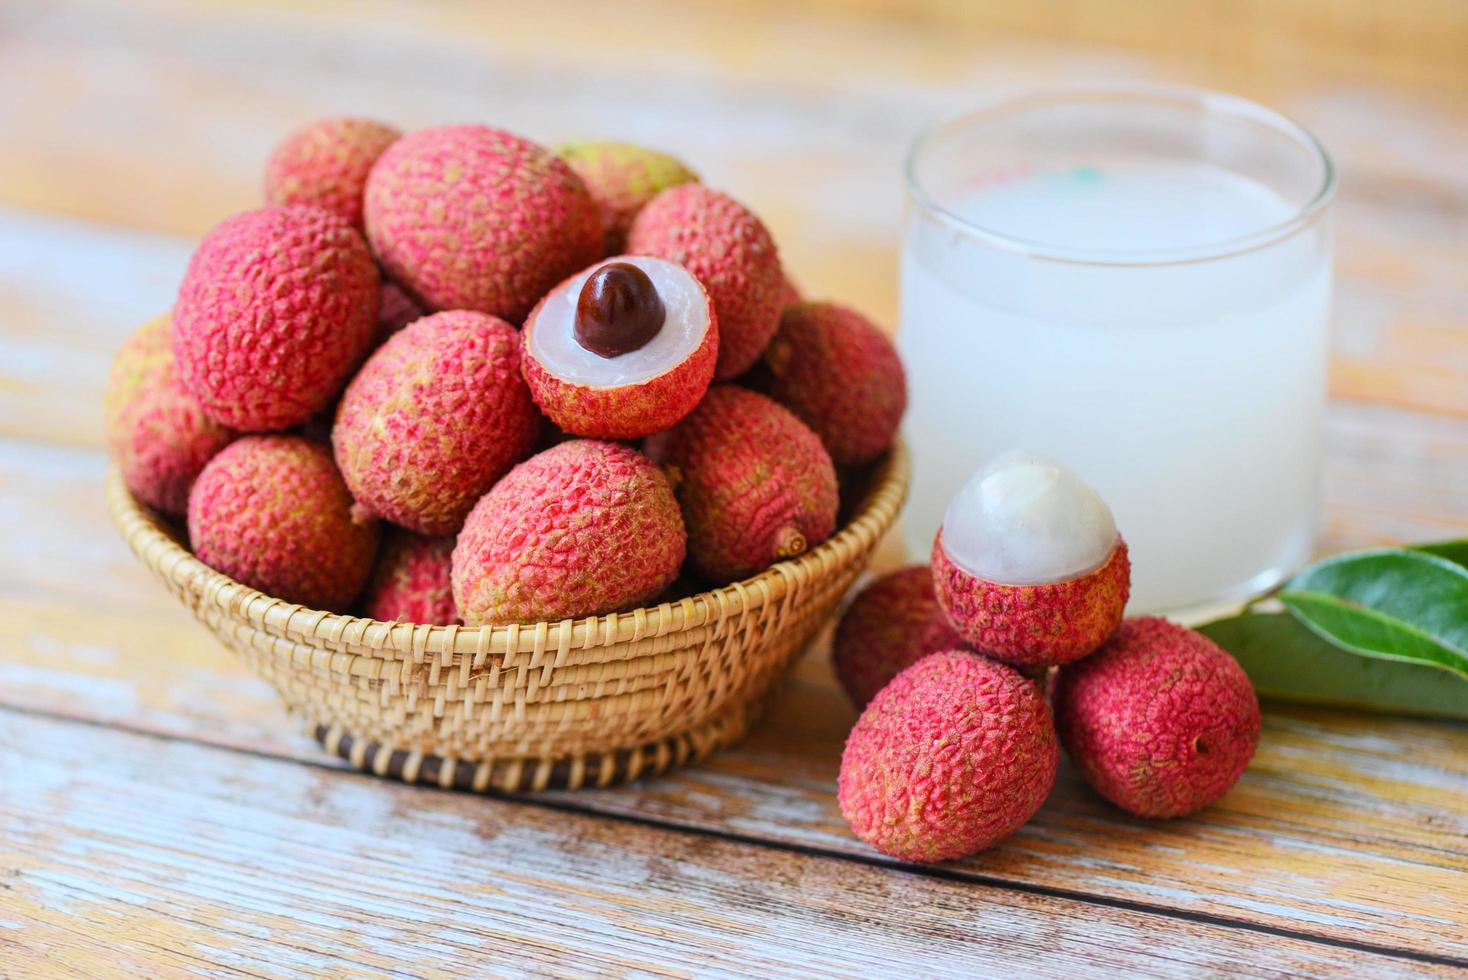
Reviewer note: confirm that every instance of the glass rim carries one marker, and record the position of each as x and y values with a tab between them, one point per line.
1206	101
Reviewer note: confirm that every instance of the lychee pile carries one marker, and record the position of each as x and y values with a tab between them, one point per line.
950	664
451	376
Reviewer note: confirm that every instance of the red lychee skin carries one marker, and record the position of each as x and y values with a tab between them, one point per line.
755	483
622	178
1034	625
272	512
789	294
838	371
584	528
475	218
411	583
621	411
951	757
1161	720
435	416
721	242
891	624
395	311
326	163
276	310
156	431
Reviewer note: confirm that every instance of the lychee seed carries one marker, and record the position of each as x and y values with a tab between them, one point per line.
618	311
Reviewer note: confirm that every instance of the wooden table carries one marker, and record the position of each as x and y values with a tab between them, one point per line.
159	812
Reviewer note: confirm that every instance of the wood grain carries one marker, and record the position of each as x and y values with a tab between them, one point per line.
124	852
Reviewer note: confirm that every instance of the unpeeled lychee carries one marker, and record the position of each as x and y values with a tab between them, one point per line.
276	309
1161	720
891	624
622	178
326	163
583	528
755	483
1028	566
272	512
157	432
721	242
395	311
838	371
951	757
437	414
411	582
634	392
475	218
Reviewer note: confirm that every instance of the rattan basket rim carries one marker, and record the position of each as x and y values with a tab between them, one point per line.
149	538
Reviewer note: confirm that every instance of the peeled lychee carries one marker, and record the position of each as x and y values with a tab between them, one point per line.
756	485
581	529
475	218
326	163
836	370
721	242
411	582
951	757
1028	565
1161	720
622	178
436	415
156	431
276	309
890	625
621	391
272	512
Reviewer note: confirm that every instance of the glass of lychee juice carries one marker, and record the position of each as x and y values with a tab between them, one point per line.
1136	282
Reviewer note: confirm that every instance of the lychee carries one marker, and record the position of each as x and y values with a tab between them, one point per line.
276	309
840	374
789	292
1028	565
951	757
755	484
326	163
475	218
436	415
621	350
891	624
622	178
1160	721
721	242
583	528
157	432
395	311
272	512
411	581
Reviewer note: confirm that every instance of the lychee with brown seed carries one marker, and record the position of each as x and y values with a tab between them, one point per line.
1161	720
891	624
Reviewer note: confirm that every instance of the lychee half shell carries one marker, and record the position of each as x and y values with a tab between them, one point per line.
635	393
891	624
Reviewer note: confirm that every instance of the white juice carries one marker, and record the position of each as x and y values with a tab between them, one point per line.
1188	394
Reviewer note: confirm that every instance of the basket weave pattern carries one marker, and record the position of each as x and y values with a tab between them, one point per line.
580	702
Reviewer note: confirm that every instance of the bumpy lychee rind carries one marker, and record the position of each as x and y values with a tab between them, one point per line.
1034	625
395	311
622	178
891	624
755	483
436	415
157	432
475	218
951	757
272	512
583	528
621	411
1161	720
411	582
836	370
721	242
277	308
326	163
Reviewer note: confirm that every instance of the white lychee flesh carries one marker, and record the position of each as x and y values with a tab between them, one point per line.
1027	519
553	341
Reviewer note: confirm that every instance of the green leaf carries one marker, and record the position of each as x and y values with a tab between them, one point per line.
1288	662
1395	604
1454	551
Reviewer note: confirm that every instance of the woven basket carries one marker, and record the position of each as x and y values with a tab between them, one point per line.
585	702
